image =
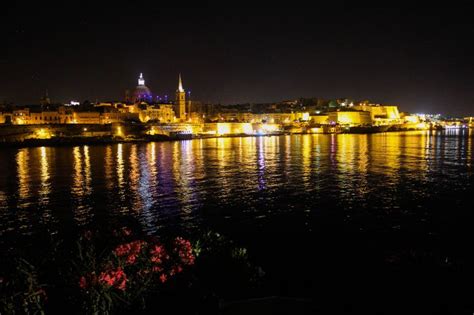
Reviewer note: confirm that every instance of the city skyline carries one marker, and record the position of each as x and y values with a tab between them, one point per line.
409	57
296	159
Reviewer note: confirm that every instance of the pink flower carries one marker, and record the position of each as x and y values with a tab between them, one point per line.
131	250
82	282
122	284
158	254
131	259
163	278
175	270
123	250
184	250
116	278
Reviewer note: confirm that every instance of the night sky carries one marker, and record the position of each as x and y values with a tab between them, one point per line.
418	58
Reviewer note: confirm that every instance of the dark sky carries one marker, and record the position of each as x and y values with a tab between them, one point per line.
418	58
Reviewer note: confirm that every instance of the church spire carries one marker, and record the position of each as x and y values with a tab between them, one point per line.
180	84
141	80
180	104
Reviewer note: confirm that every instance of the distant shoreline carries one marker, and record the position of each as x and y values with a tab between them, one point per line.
78	141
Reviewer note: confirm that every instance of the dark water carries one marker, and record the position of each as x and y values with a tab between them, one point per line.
324	215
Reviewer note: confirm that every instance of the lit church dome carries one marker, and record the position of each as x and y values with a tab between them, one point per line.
142	93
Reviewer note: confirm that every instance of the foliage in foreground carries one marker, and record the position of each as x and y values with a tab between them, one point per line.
127	271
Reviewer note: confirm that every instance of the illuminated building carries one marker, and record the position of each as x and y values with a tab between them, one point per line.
163	113
73	103
65	115
273	118
45	117
142	93
38	117
180	104
86	118
350	118
413	119
469	121
235	128
320	119
381	114
110	117
21	117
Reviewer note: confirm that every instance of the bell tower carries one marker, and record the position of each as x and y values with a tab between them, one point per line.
180	104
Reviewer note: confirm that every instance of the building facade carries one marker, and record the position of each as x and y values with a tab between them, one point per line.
381	114
272	118
162	113
350	118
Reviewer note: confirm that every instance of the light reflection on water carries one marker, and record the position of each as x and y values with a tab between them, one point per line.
44	165
81	189
189	183
108	168
22	158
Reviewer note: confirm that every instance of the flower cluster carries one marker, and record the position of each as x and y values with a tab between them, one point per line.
130	251
158	258
184	250
114	278
139	262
